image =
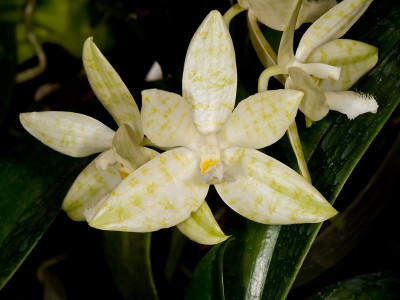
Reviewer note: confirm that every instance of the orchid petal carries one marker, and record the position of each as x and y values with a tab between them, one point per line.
209	76
160	194
70	133
332	25
90	185
167	119
202	228
267	191
285	52
355	59
261	119
314	103
127	149
110	89
351	103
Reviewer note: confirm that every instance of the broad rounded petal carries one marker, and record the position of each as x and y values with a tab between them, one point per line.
332	25
167	119
201	227
351	103
314	103
90	185
209	76
261	119
70	133
127	149
355	59
160	194
267	191
110	89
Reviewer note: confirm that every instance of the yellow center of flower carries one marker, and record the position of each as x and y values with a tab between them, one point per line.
123	174
206	164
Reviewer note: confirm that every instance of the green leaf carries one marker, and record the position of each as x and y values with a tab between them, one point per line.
379	286
128	256
34	181
333	147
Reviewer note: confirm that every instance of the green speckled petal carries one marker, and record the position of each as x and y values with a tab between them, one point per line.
167	119
110	89
201	227
355	59
209	76
261	119
160	194
91	184
267	191
70	133
330	26
314	104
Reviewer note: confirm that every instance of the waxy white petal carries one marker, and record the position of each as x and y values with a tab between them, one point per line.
201	227
110	89
351	103
353	57
91	184
160	194
209	76
267	191
330	26
261	119
167	119
313	104
70	133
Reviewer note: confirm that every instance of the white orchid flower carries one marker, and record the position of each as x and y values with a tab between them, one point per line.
78	135
334	64
214	146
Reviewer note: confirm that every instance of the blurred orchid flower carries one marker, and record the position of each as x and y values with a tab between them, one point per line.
78	135
214	146
324	66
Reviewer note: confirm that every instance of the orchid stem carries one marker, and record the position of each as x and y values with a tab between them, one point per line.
294	139
263	80
231	13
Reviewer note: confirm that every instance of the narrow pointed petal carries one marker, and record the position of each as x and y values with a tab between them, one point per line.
314	103
128	151
267	191
285	52
167	119
332	25
353	57
91	184
70	133
201	227
209	76
160	194
351	103
261	119
110	89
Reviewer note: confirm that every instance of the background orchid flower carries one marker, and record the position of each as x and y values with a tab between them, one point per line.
334	64
215	146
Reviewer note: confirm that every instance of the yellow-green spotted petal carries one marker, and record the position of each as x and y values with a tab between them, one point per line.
201	227
160	194
353	57
209	76
313	104
70	133
110	89
267	191
261	119
90	185
167	119
330	26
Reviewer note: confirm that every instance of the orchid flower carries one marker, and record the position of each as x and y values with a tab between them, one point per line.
324	66
212	145
78	135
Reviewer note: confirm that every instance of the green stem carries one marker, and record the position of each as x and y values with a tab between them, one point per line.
266	75
231	13
37	47
294	139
